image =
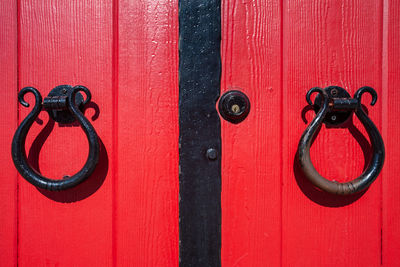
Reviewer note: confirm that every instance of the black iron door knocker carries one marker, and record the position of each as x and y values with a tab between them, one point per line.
63	105
335	107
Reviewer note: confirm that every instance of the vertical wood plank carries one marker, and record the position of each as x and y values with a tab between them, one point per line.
251	150
147	184
391	117
8	123
67	42
330	43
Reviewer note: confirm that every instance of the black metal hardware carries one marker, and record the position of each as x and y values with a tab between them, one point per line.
199	133
338	115
56	105
63	105
234	106
334	105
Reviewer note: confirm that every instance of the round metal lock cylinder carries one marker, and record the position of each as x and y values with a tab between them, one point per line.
234	106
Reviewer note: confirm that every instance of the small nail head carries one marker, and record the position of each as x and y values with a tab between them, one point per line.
212	154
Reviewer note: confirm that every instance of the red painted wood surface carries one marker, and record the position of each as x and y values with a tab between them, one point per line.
147	141
8	125
391	133
126	53
126	213
323	44
276	51
67	42
251	150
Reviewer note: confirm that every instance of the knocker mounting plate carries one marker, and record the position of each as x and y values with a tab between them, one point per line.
63	115
334	117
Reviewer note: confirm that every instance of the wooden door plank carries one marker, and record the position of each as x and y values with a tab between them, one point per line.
147	184
391	117
8	124
251	150
67	42
330	43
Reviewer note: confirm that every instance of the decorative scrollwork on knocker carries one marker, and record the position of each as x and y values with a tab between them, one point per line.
64	105
335	107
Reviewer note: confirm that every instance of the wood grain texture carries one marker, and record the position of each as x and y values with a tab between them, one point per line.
391	133
8	124
126	53
67	42
147	184
251	150
330	43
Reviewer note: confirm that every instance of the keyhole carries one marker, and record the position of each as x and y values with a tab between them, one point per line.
235	108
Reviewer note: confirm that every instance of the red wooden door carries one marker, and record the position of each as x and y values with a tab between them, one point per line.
276	51
126	53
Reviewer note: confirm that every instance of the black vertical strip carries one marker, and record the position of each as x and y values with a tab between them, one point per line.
199	133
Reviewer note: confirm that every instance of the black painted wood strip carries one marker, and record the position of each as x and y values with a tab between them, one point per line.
199	133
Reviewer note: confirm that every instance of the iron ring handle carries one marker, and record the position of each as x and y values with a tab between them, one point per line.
378	150
18	143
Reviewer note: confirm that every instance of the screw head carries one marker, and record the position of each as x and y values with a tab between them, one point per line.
212	154
334	92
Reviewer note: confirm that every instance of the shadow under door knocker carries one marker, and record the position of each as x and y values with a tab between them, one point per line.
63	105
335	107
